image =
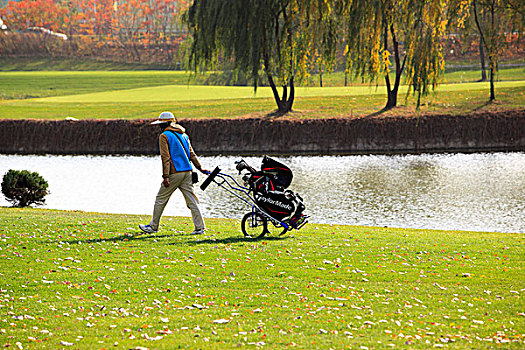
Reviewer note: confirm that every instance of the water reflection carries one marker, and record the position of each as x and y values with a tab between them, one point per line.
484	192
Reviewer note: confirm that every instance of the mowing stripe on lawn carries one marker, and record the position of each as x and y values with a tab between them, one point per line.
199	93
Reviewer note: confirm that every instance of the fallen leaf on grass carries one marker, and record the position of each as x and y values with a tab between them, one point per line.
146	336
221	321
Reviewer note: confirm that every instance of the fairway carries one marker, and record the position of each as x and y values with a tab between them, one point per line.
27	85
177	93
200	93
89	280
142	94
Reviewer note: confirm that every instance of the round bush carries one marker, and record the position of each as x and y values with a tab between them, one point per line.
23	188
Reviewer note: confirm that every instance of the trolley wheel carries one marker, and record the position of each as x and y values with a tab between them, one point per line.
278	229
254	225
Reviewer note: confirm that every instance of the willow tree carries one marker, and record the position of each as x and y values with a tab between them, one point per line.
407	31
273	36
494	20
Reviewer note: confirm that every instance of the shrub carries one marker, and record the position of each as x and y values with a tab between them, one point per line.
23	188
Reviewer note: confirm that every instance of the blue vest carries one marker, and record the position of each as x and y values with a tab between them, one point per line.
179	155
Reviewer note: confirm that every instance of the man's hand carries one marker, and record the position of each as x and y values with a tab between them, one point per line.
204	171
166	182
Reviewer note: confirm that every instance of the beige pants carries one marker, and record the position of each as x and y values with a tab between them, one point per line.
183	182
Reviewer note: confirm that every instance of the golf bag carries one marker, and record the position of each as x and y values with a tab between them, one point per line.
269	186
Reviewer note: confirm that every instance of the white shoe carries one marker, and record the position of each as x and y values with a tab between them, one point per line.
198	232
147	228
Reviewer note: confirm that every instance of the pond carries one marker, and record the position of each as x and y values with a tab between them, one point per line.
478	192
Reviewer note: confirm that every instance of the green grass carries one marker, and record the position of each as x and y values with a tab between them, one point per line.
8	64
29	85
137	104
142	94
176	93
92	281
452	77
36	84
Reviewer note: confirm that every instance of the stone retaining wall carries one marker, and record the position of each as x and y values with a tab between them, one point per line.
441	133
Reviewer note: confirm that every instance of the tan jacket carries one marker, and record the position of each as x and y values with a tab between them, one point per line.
167	165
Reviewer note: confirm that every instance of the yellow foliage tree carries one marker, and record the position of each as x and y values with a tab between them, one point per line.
405	31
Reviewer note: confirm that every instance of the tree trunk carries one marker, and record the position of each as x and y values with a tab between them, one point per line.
392	97
284	104
136	51
490	53
320	75
291	97
491	56
482	59
492	72
392	91
392	100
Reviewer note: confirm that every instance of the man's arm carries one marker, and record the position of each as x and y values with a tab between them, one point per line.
165	157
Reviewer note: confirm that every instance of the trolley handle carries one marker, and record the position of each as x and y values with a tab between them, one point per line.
210	178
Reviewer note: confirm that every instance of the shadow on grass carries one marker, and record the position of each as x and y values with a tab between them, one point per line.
378	113
127	237
273	114
139	237
230	240
486	104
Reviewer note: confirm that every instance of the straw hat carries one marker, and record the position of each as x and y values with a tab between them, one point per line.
164	117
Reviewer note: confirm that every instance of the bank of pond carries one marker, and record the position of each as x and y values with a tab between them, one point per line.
478	132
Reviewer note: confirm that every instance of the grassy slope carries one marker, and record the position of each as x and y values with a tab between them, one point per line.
462	76
177	93
136	106
28	85
90	280
35	84
141	94
8	64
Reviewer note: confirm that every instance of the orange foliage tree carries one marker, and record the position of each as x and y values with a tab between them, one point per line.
20	15
91	17
136	27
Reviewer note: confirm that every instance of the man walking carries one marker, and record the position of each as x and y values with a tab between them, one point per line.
176	154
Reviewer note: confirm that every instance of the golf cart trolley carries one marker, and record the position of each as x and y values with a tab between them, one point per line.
266	192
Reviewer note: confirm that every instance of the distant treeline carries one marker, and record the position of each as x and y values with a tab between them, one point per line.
153	32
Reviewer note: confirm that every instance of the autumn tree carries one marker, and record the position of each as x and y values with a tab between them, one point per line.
324	37
20	15
164	24
405	31
92	17
270	35
129	22
494	19
482	60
